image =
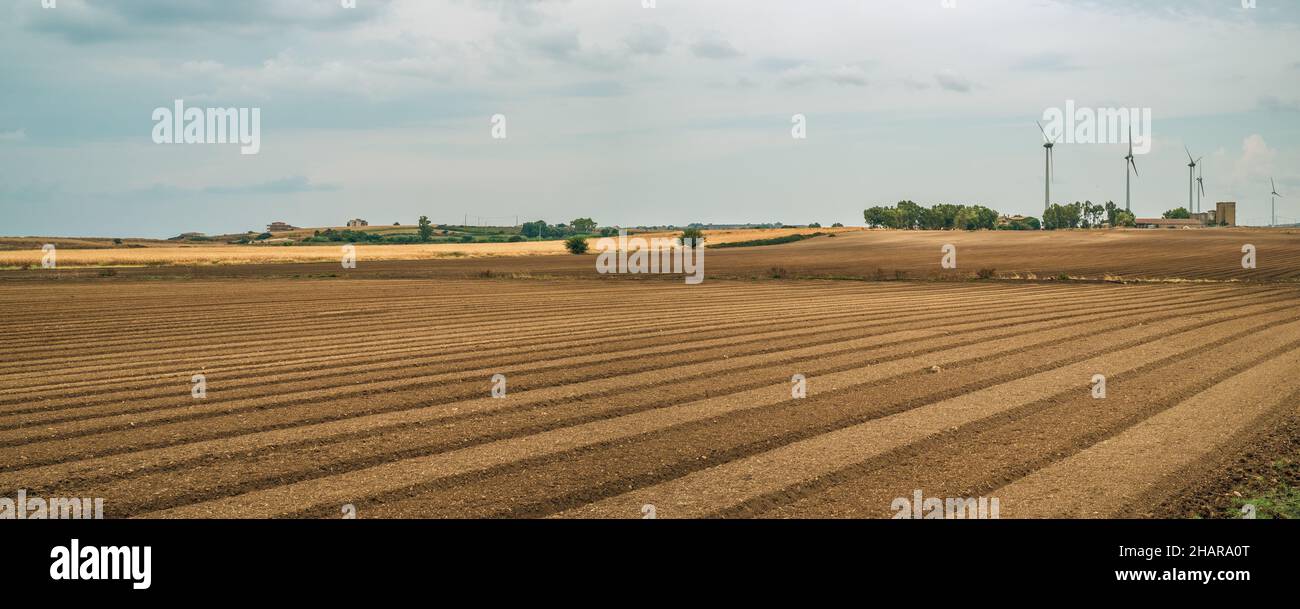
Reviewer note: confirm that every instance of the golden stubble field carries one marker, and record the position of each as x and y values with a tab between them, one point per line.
81	254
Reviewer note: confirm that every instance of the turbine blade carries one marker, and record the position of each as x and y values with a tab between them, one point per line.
1135	167
1040	128
1189	153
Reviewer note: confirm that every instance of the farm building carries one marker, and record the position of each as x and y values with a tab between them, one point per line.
357	223
1169	223
1225	213
279	227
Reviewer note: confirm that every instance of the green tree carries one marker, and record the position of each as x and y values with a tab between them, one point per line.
985	218
1180	213
881	217
692	237
534	229
576	245
426	228
909	215
1125	218
966	219
585	226
1059	216
1090	214
944	216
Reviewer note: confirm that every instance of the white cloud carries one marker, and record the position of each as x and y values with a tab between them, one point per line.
1256	161
607	100
949	81
714	46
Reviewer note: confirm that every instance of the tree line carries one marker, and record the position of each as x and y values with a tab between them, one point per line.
1086	215
907	215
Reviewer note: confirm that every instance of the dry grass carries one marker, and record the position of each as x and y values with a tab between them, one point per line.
261	254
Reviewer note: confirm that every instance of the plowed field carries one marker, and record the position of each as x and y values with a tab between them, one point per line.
378	393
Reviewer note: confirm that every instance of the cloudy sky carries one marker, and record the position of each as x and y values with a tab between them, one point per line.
631	115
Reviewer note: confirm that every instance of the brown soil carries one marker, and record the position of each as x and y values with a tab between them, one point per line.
622	393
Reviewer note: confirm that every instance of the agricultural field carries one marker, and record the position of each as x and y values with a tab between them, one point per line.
74	253
618	398
1113	255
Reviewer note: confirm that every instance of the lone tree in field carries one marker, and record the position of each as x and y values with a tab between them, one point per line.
692	237
576	245
426	228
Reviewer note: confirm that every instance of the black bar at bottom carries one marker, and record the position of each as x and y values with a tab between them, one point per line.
233	558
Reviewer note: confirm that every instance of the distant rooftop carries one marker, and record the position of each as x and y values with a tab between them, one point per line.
1171	221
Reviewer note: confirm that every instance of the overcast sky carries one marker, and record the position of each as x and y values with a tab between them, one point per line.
667	115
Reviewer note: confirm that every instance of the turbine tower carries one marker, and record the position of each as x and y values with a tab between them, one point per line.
1191	176
1275	196
1200	184
1130	170
1048	143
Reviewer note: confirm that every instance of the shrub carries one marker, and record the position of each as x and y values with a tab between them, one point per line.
467	238
515	238
425	228
692	237
986	273
576	245
759	242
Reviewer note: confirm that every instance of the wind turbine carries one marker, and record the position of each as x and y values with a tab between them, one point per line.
1200	183
1048	143
1275	196
1191	176
1130	170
